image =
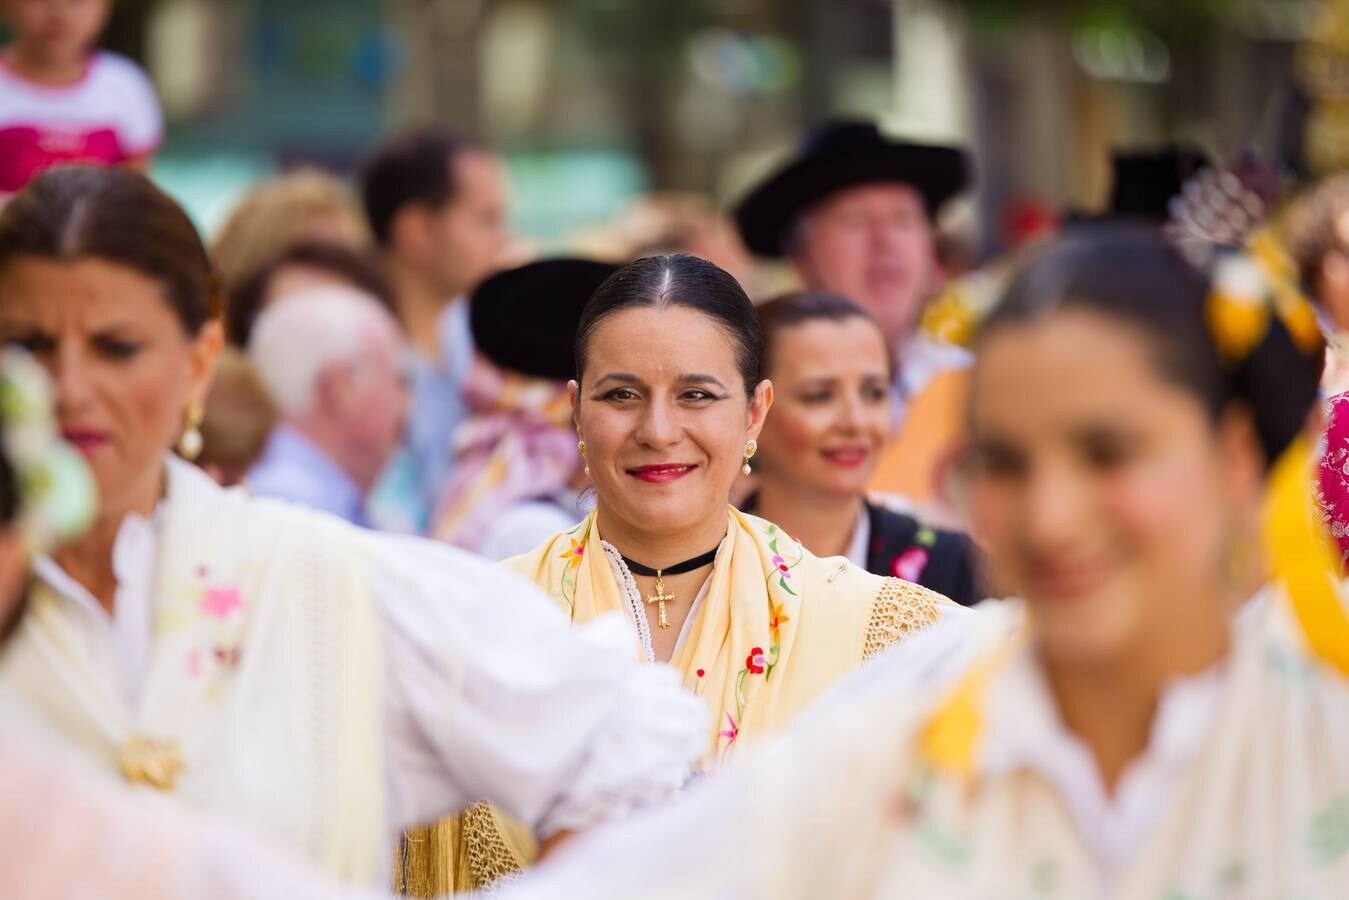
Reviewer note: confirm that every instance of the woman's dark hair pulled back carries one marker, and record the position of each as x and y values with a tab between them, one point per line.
70	213
679	279
1135	275
799	308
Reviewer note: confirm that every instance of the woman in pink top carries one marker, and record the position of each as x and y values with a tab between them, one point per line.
62	100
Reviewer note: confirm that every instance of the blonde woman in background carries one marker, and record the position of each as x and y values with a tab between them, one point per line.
305	205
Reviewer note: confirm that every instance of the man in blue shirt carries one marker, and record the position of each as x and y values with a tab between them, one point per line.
436	204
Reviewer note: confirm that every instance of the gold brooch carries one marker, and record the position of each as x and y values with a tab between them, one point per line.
151	762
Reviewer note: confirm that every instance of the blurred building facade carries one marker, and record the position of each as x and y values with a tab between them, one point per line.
597	101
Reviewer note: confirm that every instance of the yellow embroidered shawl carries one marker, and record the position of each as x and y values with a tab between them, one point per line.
776	627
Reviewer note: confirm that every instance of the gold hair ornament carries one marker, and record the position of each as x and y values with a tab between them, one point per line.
1250	285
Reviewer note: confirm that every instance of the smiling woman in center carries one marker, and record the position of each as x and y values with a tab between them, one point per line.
668	405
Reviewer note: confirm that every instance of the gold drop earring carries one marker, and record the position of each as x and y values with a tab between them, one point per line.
751	448
581	449
190	442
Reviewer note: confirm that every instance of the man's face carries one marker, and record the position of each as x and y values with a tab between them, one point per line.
468	234
873	245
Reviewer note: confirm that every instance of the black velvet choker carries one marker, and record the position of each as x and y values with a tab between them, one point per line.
660	597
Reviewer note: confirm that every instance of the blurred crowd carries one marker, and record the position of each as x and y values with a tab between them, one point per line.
395	357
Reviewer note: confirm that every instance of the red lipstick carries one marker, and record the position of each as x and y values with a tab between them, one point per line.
848	457
85	440
662	473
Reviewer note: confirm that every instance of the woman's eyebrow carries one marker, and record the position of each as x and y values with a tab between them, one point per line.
621	377
695	378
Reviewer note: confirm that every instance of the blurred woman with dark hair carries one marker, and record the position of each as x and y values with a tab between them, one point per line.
1148	722
325	685
297	268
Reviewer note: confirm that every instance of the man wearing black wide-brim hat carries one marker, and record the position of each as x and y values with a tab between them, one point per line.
853	212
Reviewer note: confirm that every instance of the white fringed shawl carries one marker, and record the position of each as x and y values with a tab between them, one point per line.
264	671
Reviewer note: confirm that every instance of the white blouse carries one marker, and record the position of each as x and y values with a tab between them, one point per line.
1024	731
560	725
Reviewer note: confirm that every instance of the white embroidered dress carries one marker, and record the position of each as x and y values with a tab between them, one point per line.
1243	792
328	686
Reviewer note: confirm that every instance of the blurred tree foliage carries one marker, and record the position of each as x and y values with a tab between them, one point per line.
1174	17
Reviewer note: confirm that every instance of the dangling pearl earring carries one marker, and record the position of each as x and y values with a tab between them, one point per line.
190	441
751	448
581	449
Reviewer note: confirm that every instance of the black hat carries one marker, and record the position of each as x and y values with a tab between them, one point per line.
525	319
1145	182
839	155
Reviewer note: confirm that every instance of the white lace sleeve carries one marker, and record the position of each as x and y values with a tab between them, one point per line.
492	694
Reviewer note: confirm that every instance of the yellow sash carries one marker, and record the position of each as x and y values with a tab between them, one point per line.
776	627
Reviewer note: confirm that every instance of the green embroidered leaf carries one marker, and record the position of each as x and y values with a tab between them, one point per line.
1232	876
1329	833
1044	876
949	847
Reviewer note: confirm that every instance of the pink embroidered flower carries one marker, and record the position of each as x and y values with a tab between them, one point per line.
910	564
220	602
782	566
731	733
228	656
756	662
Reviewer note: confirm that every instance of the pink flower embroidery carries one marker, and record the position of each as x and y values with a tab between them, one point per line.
756	662
731	733
910	564
220	602
782	566
228	657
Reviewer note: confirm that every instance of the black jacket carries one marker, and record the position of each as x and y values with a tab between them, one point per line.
901	546
944	561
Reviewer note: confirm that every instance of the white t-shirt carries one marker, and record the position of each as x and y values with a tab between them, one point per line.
109	116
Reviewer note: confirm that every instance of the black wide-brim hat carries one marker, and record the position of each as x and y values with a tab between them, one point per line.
1146	181
524	320
843	154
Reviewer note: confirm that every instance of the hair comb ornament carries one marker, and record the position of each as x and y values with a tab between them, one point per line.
1219	223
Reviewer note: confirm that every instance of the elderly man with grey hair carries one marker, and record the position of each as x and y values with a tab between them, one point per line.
333	360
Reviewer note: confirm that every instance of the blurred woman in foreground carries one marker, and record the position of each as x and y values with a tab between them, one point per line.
1151	728
322	684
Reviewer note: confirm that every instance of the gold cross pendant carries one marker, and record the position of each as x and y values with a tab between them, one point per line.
661	598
